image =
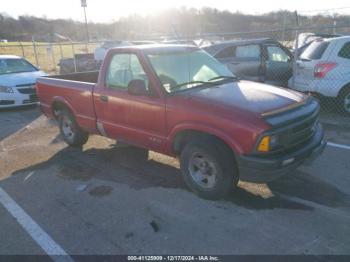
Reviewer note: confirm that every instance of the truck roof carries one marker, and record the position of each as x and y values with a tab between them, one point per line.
159	48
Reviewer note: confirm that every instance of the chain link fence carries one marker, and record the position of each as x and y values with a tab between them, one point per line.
48	56
313	60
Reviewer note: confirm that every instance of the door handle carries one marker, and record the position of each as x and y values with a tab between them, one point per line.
104	98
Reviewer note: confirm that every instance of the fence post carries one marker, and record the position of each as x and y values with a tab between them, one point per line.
61	51
53	57
284	26
35	52
296	51
75	62
20	43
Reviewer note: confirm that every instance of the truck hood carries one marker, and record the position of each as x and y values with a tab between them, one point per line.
249	96
20	78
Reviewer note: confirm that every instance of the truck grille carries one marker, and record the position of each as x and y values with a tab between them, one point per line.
295	128
298	135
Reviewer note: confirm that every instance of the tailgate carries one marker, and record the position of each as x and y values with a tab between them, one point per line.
77	96
304	72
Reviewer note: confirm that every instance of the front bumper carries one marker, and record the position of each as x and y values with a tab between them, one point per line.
8	100
260	170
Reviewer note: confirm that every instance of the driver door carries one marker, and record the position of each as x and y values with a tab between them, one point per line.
138	120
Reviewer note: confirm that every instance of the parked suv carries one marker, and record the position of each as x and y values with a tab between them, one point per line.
305	39
261	60
324	69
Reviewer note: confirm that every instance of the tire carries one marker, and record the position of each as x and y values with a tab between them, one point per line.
209	169
345	101
72	134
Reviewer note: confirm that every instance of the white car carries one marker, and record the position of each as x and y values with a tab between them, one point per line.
17	81
324	69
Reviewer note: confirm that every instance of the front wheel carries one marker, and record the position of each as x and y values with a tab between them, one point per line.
71	132
209	169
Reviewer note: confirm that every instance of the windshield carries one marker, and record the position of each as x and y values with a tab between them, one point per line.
187	69
15	65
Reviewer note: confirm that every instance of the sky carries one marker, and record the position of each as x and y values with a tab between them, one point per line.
109	10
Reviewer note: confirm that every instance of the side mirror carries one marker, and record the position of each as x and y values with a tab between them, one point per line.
137	87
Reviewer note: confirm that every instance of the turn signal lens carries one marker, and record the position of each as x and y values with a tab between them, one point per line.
264	145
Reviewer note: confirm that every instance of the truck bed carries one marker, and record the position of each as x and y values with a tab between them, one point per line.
87	77
73	90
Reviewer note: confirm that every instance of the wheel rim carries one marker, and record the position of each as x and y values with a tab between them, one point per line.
68	128
347	102
203	171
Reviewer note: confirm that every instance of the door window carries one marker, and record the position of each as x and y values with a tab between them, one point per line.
226	53
122	69
248	51
277	54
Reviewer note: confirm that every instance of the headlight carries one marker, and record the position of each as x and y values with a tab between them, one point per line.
6	89
268	143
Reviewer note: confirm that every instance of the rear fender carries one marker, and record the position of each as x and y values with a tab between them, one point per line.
64	102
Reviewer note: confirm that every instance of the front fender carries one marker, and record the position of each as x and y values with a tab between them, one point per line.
229	140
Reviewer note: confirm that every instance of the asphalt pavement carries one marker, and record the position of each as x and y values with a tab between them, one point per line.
102	199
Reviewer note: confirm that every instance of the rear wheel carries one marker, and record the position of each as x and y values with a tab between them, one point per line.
345	101
72	134
209	169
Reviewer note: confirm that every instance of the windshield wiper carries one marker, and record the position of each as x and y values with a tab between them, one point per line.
235	78
211	82
200	83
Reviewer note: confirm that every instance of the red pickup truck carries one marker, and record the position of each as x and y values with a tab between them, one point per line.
180	101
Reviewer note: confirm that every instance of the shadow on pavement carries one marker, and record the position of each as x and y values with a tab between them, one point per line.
127	165
310	188
14	119
246	199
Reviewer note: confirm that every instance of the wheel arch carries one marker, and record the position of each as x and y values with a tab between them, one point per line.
58	104
343	89
183	136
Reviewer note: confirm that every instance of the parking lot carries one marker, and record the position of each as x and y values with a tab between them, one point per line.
102	199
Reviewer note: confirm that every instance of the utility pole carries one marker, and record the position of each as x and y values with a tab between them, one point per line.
84	5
